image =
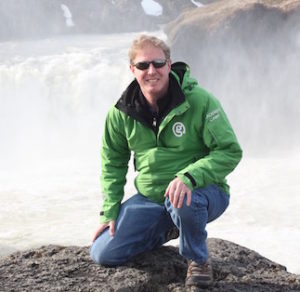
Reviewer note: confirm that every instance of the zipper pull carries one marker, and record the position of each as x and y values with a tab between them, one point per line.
154	122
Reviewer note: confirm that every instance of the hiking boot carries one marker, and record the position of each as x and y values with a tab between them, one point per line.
199	275
173	233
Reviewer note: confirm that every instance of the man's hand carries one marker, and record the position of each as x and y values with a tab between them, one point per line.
176	192
103	226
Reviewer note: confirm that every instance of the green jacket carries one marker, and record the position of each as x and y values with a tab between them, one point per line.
194	142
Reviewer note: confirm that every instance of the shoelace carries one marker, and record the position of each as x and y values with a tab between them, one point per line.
194	268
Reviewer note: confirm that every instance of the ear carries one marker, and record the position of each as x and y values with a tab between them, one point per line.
131	68
169	64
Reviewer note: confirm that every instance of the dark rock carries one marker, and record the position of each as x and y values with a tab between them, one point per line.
58	268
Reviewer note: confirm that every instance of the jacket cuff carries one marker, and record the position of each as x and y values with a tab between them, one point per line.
109	215
191	179
187	181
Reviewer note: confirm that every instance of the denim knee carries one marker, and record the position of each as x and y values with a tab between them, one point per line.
101	256
97	255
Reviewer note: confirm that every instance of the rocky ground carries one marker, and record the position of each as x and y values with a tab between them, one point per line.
58	268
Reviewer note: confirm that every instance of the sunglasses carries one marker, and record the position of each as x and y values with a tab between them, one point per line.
144	65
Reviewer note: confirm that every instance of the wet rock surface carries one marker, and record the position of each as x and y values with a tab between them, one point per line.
59	268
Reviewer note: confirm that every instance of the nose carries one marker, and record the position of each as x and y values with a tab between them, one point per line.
151	69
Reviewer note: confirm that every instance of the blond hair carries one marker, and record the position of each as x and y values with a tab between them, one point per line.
144	40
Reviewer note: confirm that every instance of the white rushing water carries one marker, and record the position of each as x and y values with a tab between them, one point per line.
54	95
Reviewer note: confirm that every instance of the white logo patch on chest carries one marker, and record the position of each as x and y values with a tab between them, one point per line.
178	129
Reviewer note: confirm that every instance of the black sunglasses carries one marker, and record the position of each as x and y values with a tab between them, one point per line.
158	63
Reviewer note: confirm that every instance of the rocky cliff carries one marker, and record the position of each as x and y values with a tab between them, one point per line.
58	268
249	22
36	19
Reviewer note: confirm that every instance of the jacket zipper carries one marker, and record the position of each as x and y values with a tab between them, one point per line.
154	122
154	127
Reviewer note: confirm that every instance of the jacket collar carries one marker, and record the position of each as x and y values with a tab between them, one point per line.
133	105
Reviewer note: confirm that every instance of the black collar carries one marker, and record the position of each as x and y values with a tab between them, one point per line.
133	103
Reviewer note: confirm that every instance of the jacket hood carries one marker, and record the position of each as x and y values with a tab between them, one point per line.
181	71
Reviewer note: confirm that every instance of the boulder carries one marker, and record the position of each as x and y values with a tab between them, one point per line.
69	268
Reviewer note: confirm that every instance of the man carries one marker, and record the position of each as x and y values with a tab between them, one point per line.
183	148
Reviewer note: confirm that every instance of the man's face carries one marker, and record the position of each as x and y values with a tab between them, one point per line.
154	82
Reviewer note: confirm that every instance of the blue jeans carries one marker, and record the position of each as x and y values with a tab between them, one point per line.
142	226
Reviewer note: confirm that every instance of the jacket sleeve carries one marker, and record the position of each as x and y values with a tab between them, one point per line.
224	151
115	155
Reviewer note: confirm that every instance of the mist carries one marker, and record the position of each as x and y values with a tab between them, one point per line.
251	64
53	93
